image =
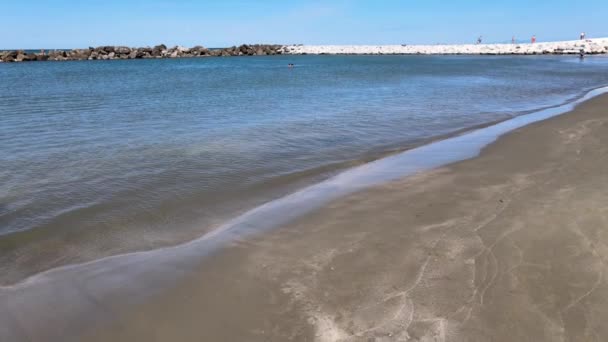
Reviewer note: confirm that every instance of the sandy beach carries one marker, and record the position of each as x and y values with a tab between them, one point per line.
509	246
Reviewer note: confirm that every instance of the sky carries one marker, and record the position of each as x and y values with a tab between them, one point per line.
33	24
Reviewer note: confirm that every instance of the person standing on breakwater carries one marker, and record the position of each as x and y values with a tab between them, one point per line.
582	35
479	40
513	40
533	40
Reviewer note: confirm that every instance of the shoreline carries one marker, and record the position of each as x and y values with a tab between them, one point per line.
274	189
508	245
334	170
588	46
146	266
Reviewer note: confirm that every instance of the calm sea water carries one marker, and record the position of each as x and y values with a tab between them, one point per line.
104	157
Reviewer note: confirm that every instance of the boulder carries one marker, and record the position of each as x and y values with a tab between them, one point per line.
122	50
215	53
199	51
42	57
79	54
158	49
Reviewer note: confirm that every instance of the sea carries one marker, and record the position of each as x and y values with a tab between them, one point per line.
99	158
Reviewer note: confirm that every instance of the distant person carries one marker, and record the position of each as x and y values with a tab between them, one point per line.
582	35
513	40
479	40
533	40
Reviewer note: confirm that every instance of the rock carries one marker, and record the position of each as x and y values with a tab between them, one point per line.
111	55
199	51
78	54
42	57
158	50
30	57
122	50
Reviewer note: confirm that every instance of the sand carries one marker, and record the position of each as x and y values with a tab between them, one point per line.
590	46
509	246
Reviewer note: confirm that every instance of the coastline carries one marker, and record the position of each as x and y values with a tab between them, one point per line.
100	293
508	245
49	246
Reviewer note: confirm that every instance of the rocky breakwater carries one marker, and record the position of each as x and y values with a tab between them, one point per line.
589	46
123	52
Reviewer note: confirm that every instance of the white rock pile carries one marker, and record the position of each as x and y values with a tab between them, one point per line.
588	46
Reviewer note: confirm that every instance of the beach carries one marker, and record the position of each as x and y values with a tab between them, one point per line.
506	246
93	167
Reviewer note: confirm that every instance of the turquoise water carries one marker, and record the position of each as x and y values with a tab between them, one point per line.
105	157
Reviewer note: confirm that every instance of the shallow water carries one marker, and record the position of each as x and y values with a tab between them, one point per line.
106	157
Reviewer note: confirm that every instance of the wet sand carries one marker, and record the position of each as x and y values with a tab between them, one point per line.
509	246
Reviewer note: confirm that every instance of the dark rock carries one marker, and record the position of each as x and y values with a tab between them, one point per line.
159	51
42	57
199	51
122	50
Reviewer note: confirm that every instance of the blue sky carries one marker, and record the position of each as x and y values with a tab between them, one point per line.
82	23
